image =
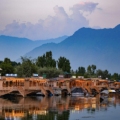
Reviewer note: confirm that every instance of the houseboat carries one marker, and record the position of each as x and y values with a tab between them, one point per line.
77	92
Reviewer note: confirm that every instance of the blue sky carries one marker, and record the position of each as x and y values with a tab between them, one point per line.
44	19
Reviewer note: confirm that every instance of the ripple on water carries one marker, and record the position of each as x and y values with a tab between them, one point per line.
88	117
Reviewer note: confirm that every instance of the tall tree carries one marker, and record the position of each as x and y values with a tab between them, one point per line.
99	73
46	60
81	71
64	64
89	70
105	74
93	68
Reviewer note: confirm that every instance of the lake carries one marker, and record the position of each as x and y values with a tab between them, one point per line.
60	108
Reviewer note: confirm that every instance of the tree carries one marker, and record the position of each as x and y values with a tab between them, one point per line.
89	70
115	76
46	60
106	74
64	64
1	62
49	72
103	74
27	68
81	71
119	77
99	73
14	64
93	68
7	67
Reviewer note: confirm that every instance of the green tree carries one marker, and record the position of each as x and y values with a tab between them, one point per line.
14	64
103	74
46	60
106	74
27	67
93	68
49	72
1	62
64	64
19	71
99	73
119	77
81	71
7	67
41	62
89	70
115	76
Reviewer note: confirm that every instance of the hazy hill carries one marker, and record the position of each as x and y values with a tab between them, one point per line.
13	47
87	46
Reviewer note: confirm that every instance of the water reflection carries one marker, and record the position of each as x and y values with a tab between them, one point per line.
55	107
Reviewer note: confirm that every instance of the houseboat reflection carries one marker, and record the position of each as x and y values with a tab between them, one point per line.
55	106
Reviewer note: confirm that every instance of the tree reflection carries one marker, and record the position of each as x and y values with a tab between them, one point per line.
53	108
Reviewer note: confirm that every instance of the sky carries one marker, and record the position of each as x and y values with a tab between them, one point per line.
45	19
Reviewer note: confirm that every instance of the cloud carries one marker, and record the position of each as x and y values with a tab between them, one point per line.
53	26
85	6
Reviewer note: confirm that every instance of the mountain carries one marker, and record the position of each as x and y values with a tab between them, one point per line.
87	46
13	47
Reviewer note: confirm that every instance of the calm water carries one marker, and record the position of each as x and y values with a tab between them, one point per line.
60	108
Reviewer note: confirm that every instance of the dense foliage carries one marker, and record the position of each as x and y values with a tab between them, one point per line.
49	67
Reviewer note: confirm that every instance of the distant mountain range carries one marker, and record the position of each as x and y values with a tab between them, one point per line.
87	46
13	47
